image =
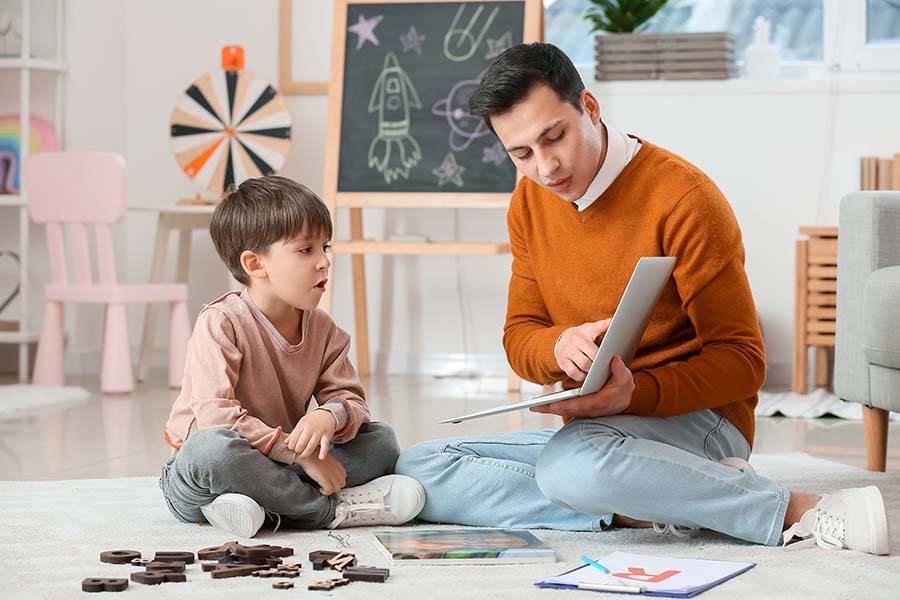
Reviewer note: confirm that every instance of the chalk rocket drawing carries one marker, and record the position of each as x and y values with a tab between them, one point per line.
394	151
412	40
498	46
449	170
365	30
494	154
460	44
464	127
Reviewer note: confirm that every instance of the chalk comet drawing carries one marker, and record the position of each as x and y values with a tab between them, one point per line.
464	127
460	44
394	151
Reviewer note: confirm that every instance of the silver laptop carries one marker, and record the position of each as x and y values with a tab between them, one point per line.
621	339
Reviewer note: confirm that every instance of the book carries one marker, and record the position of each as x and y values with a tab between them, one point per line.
463	546
649	575
885	166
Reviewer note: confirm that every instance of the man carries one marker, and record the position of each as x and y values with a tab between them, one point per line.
667	441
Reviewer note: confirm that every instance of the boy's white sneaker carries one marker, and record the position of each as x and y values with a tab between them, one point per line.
236	514
854	519
388	500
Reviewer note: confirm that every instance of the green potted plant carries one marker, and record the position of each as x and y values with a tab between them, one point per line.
622	16
623	54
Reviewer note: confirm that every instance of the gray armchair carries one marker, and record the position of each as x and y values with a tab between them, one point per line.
867	343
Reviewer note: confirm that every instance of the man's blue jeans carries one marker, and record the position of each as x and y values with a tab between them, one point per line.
661	469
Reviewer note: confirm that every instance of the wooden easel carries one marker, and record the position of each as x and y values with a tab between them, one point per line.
357	245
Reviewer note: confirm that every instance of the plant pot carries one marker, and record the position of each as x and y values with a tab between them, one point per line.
665	56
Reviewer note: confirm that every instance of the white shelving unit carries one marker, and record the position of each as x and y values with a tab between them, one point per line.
25	64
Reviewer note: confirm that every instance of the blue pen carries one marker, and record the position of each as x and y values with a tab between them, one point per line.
594	563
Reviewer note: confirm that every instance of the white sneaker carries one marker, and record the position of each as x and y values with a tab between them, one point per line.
682	531
235	513
738	463
388	500
853	519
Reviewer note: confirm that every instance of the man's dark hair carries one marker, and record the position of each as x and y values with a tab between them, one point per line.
261	212
513	74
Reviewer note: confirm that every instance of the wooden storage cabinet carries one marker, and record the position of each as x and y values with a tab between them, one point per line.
815	304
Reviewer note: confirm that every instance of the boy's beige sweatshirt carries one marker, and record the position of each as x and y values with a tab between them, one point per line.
241	374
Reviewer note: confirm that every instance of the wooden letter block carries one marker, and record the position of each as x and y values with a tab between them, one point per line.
185	557
101	584
366	574
119	557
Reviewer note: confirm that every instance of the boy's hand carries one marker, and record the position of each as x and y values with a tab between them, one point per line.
314	430
329	473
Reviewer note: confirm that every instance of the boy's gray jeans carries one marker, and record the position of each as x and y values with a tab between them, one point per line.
219	461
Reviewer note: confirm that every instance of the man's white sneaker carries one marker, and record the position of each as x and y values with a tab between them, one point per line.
738	463
682	531
388	500
236	514
853	519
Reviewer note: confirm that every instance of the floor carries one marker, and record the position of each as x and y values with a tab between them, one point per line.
121	436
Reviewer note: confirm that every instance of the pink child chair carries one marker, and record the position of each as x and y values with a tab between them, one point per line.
72	190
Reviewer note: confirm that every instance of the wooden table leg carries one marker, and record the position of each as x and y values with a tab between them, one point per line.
513	382
798	379
360	309
157	271
822	371
183	262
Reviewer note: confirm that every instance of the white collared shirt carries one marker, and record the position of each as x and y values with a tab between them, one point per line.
620	149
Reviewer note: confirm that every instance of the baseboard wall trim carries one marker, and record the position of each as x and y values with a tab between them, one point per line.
435	364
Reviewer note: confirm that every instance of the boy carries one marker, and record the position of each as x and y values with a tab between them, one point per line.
245	443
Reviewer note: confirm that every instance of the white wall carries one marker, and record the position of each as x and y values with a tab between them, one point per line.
782	152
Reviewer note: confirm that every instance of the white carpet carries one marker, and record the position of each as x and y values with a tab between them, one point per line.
52	534
818	403
18	400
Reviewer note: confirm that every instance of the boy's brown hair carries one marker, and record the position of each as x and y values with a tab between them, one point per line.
263	211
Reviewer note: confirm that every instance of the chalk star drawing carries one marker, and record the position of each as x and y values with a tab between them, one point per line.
466	44
365	30
494	154
449	171
464	127
412	41
498	46
393	152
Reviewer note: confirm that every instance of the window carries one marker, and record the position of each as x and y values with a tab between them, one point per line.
843	34
883	22
866	34
796	24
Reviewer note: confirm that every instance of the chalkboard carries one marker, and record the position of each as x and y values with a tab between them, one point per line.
408	72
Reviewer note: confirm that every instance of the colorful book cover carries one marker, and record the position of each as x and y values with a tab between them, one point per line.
463	546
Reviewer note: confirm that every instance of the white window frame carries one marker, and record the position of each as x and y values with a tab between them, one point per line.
844	40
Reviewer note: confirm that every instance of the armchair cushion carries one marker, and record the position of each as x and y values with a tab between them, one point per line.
881	318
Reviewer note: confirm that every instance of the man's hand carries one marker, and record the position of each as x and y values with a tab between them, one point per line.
328	472
314	430
577	347
612	399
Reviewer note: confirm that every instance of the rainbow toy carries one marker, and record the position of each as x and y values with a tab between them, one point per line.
42	139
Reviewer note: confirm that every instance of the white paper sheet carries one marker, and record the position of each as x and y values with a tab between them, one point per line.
655	573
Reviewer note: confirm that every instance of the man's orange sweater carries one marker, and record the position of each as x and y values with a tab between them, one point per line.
703	347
